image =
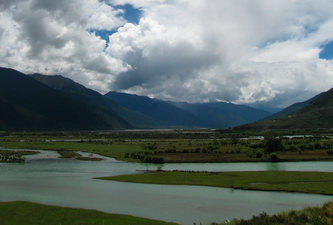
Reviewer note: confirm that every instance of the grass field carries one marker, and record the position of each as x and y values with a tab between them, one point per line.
304	182
140	148
14	213
110	150
308	216
19	212
178	146
7	153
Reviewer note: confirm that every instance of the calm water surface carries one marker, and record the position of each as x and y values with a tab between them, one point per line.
46	179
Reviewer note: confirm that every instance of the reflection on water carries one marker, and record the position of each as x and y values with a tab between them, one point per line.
64	182
276	166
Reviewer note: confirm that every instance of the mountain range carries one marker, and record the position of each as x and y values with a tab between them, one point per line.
116	115
28	104
291	109
316	112
40	102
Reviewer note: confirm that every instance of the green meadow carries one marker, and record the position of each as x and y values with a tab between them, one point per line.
303	182
178	146
14	213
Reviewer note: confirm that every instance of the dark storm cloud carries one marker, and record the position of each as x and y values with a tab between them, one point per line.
162	64
5	4
37	32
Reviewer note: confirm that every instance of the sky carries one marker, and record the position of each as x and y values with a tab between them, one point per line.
271	53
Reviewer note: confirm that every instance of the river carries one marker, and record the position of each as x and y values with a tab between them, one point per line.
46	179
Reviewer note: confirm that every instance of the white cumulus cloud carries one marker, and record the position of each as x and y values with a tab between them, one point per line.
260	51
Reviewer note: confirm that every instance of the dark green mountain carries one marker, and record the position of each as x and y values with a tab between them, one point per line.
115	114
28	104
317	114
14	116
291	109
167	114
223	115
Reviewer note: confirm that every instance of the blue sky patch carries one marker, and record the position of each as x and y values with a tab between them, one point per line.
104	34
131	14
327	52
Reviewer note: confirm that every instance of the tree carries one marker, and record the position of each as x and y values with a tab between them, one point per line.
234	140
273	144
273	156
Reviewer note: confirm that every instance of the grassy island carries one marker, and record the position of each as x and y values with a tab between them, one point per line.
304	182
74	155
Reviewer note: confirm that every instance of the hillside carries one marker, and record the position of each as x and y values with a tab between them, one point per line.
291	109
165	113
317	114
29	104
15	116
115	114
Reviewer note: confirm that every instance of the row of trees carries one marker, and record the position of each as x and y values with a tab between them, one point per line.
145	157
274	144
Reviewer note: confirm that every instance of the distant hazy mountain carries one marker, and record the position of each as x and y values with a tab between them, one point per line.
291	109
265	108
223	115
165	113
28	104
115	114
214	115
317	114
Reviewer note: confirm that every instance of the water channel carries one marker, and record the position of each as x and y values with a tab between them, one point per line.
46	179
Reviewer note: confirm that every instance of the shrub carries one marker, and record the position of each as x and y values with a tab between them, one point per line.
317	146
257	145
273	156
273	144
238	150
157	160
147	159
329	152
210	148
310	147
292	148
186	151
223	142
250	153
259	154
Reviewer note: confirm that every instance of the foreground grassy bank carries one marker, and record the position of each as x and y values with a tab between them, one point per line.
14	213
309	216
34	213
304	182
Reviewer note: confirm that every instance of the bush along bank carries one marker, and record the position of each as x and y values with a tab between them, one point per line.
309	216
